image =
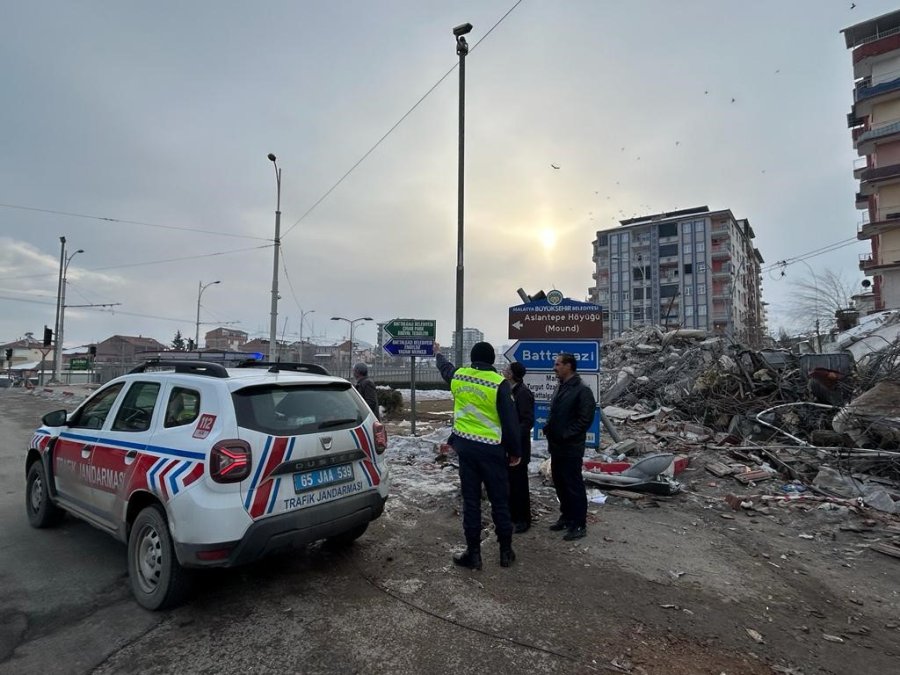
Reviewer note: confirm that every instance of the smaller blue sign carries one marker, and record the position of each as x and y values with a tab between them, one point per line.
540	354
542	412
410	346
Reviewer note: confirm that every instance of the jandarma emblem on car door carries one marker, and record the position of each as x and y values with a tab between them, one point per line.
326	442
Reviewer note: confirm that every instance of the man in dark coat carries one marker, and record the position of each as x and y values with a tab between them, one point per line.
366	387
486	439
519	499
571	414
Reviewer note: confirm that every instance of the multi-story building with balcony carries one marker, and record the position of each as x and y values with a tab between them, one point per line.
693	268
875	123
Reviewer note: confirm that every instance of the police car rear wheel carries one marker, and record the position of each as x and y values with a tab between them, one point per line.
157	580
41	511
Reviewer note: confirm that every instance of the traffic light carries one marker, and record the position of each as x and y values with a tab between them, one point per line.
9	355
48	336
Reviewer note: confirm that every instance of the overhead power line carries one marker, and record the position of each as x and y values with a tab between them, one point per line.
132	222
396	124
843	243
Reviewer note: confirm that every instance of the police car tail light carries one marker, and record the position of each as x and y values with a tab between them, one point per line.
380	438
229	461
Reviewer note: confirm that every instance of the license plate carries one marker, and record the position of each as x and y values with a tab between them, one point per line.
309	480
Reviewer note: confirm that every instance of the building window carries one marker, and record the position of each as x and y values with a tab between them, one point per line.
701	289
667	250
638	293
701	268
624	296
687	248
669	291
686	227
688	290
701	310
688	310
701	246
688	268
668	230
602	240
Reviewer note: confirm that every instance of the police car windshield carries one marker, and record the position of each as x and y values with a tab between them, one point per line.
295	410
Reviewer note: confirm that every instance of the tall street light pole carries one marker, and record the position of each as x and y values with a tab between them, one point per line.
352	323
202	288
462	49
62	262
273	325
57	360
302	317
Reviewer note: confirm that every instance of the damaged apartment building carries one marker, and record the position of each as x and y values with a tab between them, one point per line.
693	268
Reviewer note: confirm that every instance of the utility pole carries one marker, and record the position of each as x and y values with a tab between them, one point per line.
462	50
59	292
273	324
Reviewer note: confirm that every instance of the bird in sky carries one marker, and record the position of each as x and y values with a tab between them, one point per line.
554	166
852	5
732	100
677	142
705	92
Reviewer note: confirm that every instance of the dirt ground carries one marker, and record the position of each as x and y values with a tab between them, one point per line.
659	586
686	584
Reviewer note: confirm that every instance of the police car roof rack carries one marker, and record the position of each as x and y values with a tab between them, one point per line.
191	367
313	368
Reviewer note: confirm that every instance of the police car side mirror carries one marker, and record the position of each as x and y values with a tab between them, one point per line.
57	418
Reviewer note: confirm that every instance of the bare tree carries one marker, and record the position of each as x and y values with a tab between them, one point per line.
818	297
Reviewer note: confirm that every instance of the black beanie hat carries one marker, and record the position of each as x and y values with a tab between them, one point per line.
483	352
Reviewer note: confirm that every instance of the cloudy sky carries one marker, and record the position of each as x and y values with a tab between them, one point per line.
139	131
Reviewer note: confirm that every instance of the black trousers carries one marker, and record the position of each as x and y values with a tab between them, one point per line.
519	497
569	484
477	467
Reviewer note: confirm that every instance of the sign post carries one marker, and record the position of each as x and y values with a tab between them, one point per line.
412	338
545	328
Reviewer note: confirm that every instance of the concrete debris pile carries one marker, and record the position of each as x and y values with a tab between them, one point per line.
829	424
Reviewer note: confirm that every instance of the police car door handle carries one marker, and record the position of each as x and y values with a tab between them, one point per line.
130	456
86	451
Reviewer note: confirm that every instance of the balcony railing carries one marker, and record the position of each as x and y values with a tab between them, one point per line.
880	173
876	133
865	89
866	47
720	251
866	261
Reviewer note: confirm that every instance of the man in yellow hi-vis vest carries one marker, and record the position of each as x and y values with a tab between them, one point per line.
486	439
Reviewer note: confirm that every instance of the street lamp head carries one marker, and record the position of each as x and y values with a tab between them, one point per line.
217	282
462	29
271	157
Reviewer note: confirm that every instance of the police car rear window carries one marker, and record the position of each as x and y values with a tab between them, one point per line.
295	410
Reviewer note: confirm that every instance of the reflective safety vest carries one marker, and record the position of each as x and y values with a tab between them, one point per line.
475	415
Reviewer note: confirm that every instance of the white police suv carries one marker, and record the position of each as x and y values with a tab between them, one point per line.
197	465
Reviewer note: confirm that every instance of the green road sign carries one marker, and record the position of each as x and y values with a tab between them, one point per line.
79	364
411	328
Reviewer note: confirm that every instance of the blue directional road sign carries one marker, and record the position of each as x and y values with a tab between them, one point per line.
540	354
410	346
542	411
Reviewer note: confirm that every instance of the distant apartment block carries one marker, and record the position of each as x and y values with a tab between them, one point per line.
693	268
226	339
469	337
875	123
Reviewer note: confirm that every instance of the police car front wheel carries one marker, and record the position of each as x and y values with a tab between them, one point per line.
41	511
157	580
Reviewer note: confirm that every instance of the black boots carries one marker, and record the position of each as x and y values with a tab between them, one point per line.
560	525
470	558
507	555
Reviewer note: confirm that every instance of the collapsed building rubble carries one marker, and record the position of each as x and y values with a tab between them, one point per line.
816	426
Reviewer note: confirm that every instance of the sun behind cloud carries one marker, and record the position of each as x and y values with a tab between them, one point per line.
548	239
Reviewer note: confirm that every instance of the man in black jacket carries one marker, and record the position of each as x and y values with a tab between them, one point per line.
366	387
519	499
571	414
